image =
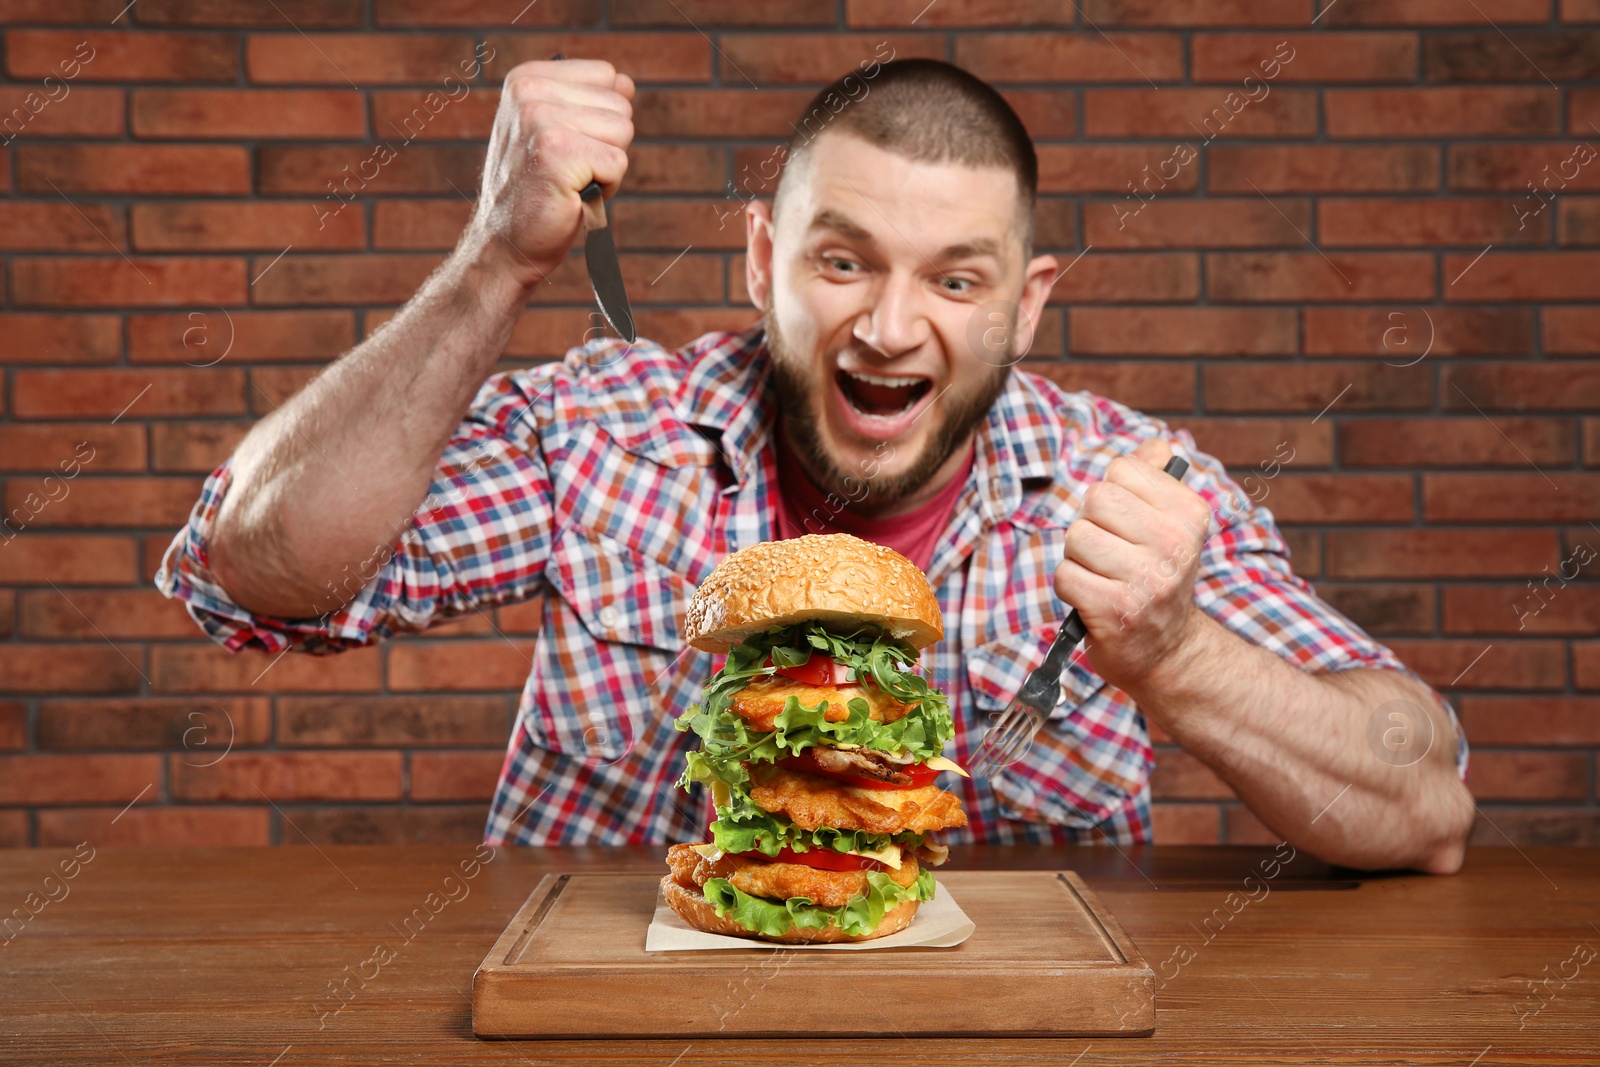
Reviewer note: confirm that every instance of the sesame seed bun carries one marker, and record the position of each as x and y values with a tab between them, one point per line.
834	579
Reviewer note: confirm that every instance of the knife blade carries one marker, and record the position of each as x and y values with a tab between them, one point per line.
605	273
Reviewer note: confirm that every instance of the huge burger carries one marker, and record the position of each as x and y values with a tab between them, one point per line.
819	744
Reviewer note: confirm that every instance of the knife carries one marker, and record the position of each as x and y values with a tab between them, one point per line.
600	255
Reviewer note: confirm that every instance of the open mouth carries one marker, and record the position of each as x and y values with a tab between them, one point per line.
881	397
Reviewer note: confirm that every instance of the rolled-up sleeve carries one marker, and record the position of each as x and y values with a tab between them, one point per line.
1247	584
480	537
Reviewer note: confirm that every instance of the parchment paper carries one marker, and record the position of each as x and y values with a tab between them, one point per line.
940	923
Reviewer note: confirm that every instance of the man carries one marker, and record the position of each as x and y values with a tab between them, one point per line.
895	273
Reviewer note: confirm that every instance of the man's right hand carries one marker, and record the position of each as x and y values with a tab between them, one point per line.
560	125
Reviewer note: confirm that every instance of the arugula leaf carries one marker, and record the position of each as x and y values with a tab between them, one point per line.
860	915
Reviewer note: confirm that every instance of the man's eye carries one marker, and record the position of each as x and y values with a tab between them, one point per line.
844	265
956	285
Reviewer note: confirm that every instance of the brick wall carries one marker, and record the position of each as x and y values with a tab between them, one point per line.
1282	209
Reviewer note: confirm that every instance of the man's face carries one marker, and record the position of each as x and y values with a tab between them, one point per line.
880	282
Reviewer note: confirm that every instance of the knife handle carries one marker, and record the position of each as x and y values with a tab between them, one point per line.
590	191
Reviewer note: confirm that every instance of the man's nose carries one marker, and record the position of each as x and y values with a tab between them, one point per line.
897	321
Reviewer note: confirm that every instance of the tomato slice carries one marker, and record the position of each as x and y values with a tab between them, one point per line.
816	670
825	859
806	762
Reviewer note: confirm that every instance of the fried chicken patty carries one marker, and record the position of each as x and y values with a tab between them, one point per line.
779	881
762	700
811	802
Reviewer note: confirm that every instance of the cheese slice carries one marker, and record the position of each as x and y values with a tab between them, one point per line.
720	796
889	857
708	850
939	763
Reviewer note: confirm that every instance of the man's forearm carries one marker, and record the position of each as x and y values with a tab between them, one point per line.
1294	747
333	475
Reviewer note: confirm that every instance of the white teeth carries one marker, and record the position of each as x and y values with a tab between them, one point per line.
893	383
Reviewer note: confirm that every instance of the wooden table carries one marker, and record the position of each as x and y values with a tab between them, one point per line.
229	956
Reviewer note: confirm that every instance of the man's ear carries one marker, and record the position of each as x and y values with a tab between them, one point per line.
758	251
1041	275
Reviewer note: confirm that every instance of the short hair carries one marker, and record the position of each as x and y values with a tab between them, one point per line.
926	110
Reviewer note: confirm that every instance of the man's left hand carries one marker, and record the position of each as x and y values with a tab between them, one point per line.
1132	555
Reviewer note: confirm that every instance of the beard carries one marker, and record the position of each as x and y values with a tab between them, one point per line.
800	420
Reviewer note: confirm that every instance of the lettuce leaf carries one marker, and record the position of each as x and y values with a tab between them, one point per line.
775	918
741	826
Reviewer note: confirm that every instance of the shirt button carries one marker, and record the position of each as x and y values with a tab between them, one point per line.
609	616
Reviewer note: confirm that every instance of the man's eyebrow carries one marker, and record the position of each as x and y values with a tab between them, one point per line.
829	219
980	246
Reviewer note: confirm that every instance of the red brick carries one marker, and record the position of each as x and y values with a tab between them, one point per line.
1166	223
117	282
455	775
524	618
181	226
424	721
1530	775
1591	442
419	224
57	446
1046	57
1528	720
119	56
1511	167
1251	441
1383	607
1186	13
478	13
1490	54
338	173
1241	827
91	393
357	279
206	668
1338	498
460	825
1305	550
405	116
136	614
201	729
1306	276
268	14
1571	331
1430	12
1317	57
675	328
77	779
1401	335
657	57
1567	496
1583	111
1518	111
157	826
202	114
1528	826
133	169
30	226
1475	663
1096	168
1129	277
13	724
1178	112
674	224
290	776
86	111
56	668
1456	442
1579	10
1315	168
1579	220
1419	554
196	447
34	338
1512	387
723	113
1148	387
1371	222
59	12
958	14
1539	606
671	168
1586	664
1186	824
1180	776
104	502
1523	276
67	560
497	664
200	338
1045	112
361	58
1183	331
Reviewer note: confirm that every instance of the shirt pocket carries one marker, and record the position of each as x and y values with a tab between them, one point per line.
1091	754
610	664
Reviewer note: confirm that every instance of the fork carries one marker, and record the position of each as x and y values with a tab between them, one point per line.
1012	732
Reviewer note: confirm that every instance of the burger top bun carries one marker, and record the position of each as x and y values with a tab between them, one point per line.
829	578
692	906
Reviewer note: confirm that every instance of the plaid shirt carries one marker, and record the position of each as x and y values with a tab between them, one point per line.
618	478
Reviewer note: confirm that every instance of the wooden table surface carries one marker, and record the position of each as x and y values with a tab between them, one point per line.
229	956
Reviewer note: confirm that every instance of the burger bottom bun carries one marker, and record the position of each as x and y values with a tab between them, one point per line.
692	906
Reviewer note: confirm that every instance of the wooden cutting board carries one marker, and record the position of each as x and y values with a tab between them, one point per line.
1046	958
